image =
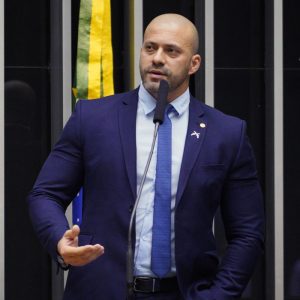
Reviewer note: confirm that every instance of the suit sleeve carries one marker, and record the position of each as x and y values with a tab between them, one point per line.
58	182
243	217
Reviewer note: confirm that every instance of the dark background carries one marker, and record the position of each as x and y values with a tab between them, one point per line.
27	143
291	81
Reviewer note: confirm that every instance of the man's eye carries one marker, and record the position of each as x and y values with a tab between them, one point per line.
172	51
149	47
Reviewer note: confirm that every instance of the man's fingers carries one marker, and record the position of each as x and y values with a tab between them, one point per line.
82	250
78	256
90	253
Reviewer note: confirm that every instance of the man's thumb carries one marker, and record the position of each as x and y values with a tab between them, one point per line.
73	232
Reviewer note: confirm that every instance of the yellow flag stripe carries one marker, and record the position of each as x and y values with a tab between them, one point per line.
96	80
94	76
107	55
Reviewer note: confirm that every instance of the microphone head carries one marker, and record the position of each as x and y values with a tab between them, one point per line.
161	102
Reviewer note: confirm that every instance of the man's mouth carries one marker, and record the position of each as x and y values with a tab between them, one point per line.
156	74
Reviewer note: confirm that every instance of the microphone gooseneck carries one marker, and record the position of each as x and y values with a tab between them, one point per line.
158	119
161	102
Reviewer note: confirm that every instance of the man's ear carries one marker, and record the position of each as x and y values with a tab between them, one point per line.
195	64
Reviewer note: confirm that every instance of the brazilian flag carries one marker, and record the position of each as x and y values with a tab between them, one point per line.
94	64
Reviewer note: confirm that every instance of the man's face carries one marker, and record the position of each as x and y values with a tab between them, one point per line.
167	53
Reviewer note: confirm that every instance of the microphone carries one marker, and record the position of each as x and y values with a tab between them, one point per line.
158	119
161	102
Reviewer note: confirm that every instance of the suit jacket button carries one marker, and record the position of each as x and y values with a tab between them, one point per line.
130	208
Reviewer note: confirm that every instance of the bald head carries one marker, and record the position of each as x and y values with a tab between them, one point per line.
169	52
177	21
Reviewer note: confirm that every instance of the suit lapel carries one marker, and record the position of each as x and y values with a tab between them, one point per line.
194	140
127	127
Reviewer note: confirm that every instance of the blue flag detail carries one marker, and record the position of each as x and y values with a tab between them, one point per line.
77	208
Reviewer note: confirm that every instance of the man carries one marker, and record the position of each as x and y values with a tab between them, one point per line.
104	148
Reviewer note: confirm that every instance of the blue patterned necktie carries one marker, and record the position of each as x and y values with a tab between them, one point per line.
161	231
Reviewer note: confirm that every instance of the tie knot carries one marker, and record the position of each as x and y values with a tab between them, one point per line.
169	109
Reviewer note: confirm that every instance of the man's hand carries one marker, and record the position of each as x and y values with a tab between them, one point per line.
73	254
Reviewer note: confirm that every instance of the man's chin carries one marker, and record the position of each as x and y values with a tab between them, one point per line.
152	87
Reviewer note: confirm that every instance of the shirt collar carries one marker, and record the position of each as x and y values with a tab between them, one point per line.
148	103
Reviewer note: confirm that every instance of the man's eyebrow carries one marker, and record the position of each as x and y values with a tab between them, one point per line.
164	45
149	42
173	45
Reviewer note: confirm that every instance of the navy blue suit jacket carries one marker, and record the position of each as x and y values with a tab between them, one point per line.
97	150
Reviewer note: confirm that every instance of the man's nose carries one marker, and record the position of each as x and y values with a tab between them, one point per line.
158	57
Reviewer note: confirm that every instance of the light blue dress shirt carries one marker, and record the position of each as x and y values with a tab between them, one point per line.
144	135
